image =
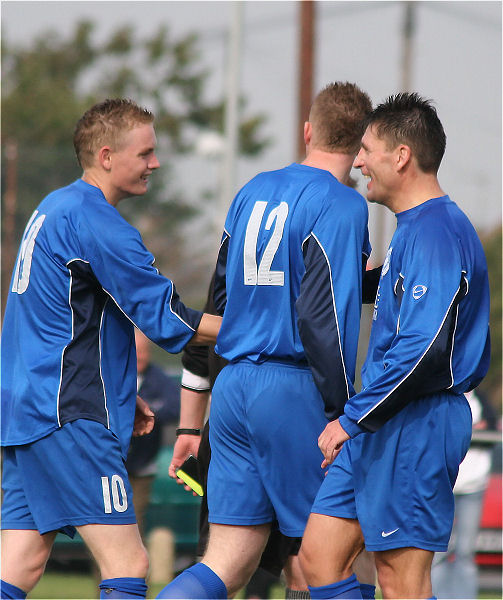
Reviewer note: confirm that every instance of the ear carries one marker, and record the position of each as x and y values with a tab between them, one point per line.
403	156
308	132
105	157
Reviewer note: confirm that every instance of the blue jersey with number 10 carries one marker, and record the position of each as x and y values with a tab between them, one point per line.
82	279
289	276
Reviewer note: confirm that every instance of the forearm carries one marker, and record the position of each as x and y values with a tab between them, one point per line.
207	331
193	406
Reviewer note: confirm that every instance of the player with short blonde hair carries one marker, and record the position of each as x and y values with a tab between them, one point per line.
82	280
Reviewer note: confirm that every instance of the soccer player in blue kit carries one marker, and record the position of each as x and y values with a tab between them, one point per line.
289	276
82	280
399	443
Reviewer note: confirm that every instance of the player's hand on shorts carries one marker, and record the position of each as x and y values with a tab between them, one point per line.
185	445
143	419
330	442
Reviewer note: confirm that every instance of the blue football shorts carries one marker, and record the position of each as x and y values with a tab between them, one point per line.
265	420
398	481
73	476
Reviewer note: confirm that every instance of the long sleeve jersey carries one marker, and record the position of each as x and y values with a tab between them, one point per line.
289	276
430	329
83	278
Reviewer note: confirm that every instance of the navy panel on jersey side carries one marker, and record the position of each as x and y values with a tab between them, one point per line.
319	329
219	291
82	393
433	372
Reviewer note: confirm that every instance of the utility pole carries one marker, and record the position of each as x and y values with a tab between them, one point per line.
231	130
408	28
306	62
382	216
9	217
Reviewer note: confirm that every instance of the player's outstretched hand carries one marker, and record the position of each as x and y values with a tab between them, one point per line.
330	442
185	445
143	418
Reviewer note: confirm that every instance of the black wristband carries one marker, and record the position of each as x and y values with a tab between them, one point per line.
184	431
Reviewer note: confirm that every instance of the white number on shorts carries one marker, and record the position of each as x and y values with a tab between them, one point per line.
23	265
263	275
116	485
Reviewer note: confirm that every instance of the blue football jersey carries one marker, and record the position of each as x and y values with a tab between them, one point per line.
430	329
82	279
289	276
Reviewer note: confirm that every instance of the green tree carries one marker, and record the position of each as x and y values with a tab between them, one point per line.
47	86
492	382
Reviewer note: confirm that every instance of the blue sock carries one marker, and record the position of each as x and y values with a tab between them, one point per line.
7	590
123	587
368	591
199	581
348	588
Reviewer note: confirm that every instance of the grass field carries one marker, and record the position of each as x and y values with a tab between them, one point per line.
55	585
63	585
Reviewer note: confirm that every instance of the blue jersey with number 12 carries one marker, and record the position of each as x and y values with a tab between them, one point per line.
289	276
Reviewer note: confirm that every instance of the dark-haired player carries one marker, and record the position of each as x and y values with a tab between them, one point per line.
404	435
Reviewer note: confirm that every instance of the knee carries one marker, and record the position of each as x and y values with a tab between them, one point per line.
138	563
34	567
306	560
391	585
234	580
294	575
132	564
142	564
386	581
385	576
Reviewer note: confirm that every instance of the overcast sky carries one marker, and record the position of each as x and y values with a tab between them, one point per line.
456	62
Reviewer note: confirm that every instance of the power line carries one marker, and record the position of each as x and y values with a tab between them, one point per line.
275	22
342	9
452	9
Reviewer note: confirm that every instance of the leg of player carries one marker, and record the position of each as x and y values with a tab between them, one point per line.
232	556
296	585
329	548
404	572
24	556
121	557
365	571
234	552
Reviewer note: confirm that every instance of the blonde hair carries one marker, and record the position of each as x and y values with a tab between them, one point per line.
337	117
104	124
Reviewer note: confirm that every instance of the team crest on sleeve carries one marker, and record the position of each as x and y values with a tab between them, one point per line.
418	291
385	267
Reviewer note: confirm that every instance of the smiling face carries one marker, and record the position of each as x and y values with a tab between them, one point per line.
132	163
378	163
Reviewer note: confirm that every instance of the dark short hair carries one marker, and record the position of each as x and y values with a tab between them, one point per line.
338	115
406	118
105	123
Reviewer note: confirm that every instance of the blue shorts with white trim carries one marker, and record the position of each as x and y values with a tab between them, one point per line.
398	481
74	476
265	420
